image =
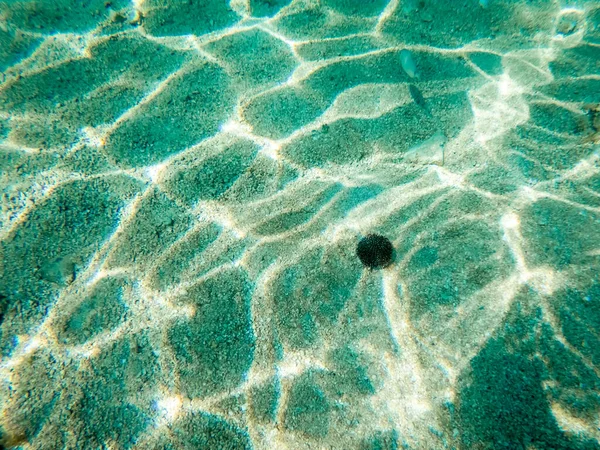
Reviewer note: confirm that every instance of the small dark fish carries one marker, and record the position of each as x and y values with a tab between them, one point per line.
416	95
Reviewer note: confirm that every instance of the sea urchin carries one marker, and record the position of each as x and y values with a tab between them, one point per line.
375	251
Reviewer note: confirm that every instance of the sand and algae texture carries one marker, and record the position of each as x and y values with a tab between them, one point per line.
184	187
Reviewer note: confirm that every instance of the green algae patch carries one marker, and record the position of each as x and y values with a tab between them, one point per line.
579	316
497	179
20	168
105	398
56	240
34	405
181	255
280	112
62	98
125	370
206	177
45	132
102	106
288	220
560	235
367	8
60	16
555	119
14	46
382	440
101	310
458	261
314	23
191	107
457	24
214	348
490	63
263	178
179	17
45	90
267	8
504	398
264	400
576	62
308	409
350	373
156	223
348	141
203	431
351	45
86	161
184	262
254	57
309	295
42	90
568	90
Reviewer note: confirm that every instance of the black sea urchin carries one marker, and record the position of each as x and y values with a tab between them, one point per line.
375	251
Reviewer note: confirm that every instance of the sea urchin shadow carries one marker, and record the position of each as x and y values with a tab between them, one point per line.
375	251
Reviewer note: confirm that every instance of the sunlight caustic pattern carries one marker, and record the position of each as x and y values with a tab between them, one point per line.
184	184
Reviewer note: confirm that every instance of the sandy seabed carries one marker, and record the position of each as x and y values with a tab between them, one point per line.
184	184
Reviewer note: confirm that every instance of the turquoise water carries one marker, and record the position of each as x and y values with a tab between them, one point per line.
184	187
